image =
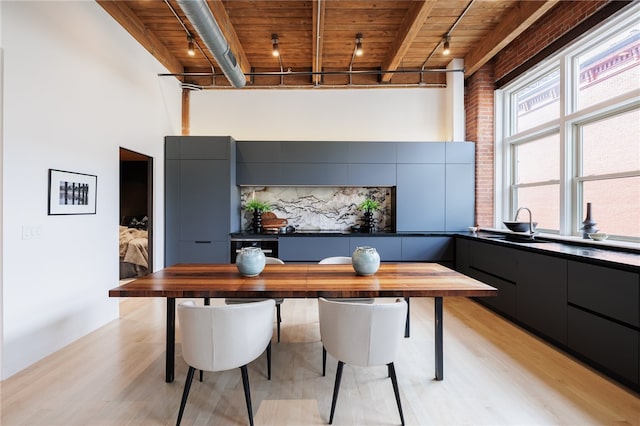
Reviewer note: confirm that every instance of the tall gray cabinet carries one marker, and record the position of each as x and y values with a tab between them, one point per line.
201	198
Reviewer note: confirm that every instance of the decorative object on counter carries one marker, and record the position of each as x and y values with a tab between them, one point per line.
473	229
365	260
258	208
272	223
369	205
250	261
588	225
598	236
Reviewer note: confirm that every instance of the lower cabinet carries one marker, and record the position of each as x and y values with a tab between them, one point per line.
203	252
610	345
389	248
604	317
311	249
541	294
427	249
593	311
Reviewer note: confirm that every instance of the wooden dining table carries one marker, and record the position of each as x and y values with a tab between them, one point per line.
303	281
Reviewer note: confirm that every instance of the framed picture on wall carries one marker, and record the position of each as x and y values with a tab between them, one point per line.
71	193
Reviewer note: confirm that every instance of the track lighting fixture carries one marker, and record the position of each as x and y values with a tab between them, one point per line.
190	50
359	50
276	49
446	40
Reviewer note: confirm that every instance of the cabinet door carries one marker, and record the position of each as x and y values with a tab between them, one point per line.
171	212
204	200
421	152
314	174
541	294
371	174
420	197
462	255
372	152
312	249
389	248
496	266
313	152
204	252
427	249
460	196
606	291
204	147
610	345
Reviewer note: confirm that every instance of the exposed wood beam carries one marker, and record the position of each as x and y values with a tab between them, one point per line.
525	14
125	17
222	18
186	118
318	38
411	26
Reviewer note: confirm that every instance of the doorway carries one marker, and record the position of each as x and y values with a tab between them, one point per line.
136	214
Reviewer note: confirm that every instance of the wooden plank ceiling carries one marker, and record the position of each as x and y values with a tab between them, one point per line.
317	38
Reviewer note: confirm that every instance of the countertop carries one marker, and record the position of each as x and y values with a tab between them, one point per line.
591	251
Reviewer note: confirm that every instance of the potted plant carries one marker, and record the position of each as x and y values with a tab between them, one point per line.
257	207
369	205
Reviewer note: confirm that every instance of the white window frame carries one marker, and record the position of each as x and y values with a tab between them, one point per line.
568	127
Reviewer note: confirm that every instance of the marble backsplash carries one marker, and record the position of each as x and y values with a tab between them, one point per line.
320	208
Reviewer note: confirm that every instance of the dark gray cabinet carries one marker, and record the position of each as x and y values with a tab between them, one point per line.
603	319
496	266
420	198
427	249
459	196
541	294
200	199
591	310
435	186
312	249
435	181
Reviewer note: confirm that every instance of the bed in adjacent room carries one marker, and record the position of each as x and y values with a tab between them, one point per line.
134	248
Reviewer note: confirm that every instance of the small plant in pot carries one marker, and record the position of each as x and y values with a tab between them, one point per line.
369	205
257	207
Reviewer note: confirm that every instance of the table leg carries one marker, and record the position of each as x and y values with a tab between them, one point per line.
406	324
438	337
170	339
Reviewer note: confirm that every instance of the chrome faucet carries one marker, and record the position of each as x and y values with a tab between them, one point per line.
530	221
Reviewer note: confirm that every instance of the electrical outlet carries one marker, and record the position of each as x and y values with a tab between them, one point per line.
31	232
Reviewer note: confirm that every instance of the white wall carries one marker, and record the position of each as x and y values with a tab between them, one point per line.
76	88
387	114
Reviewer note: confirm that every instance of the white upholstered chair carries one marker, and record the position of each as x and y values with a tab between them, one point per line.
339	260
362	334
218	338
231	301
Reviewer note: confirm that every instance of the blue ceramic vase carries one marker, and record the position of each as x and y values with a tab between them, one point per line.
365	260
250	261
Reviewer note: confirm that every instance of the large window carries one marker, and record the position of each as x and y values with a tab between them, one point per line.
570	135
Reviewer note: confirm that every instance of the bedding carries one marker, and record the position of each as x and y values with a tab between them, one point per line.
134	254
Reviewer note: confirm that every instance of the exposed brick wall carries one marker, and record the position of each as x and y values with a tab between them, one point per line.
554	24
480	86
479	126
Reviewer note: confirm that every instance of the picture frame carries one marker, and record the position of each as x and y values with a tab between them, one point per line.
71	193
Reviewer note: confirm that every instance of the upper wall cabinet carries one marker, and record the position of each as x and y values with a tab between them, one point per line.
201	199
435	181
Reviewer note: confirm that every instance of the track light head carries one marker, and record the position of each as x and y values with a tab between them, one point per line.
275	49
359	50
190	49
446	49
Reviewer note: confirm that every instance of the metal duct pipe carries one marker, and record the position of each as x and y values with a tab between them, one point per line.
198	12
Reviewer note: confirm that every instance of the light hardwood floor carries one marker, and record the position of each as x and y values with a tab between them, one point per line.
495	374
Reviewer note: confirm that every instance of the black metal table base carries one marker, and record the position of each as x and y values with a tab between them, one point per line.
171	339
